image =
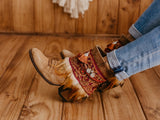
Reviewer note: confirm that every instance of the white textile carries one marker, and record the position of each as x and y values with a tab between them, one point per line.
73	7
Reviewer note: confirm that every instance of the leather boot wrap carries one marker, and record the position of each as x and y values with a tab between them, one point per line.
91	70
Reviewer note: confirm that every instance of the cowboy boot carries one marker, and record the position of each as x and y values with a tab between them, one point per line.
58	73
78	76
45	67
123	40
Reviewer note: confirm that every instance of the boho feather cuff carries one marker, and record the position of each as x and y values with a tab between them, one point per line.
84	74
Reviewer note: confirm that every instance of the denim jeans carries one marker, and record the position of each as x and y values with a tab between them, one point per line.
144	52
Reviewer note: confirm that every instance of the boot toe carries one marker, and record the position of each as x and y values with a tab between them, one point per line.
38	56
41	64
66	53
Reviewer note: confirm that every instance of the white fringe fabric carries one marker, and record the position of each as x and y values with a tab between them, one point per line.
73	7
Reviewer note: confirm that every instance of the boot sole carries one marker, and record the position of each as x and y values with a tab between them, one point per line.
35	66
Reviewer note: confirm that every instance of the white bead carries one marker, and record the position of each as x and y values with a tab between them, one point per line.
115	42
92	75
86	54
88	70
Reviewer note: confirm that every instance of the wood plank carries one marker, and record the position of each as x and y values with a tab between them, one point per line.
6	20
16	81
9	46
122	104
43	102
128	14
88	110
44	16
147	86
107	16
23	16
87	24
63	22
144	5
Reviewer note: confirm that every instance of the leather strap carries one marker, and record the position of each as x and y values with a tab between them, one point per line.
102	62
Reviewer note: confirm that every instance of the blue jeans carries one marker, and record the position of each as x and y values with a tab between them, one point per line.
144	52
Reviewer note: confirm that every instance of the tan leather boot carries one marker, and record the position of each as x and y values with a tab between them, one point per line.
58	73
45	67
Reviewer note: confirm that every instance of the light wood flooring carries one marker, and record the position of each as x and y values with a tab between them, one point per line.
24	95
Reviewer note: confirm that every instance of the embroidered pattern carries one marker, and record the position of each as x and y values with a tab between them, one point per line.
86	72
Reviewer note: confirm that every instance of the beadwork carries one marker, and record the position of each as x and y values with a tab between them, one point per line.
88	74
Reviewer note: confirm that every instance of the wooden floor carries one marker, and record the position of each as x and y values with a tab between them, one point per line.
24	95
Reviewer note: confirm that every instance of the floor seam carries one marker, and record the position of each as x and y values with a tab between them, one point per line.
26	96
62	111
12	59
138	99
102	106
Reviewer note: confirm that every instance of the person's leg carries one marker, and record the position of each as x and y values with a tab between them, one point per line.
137	56
147	21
